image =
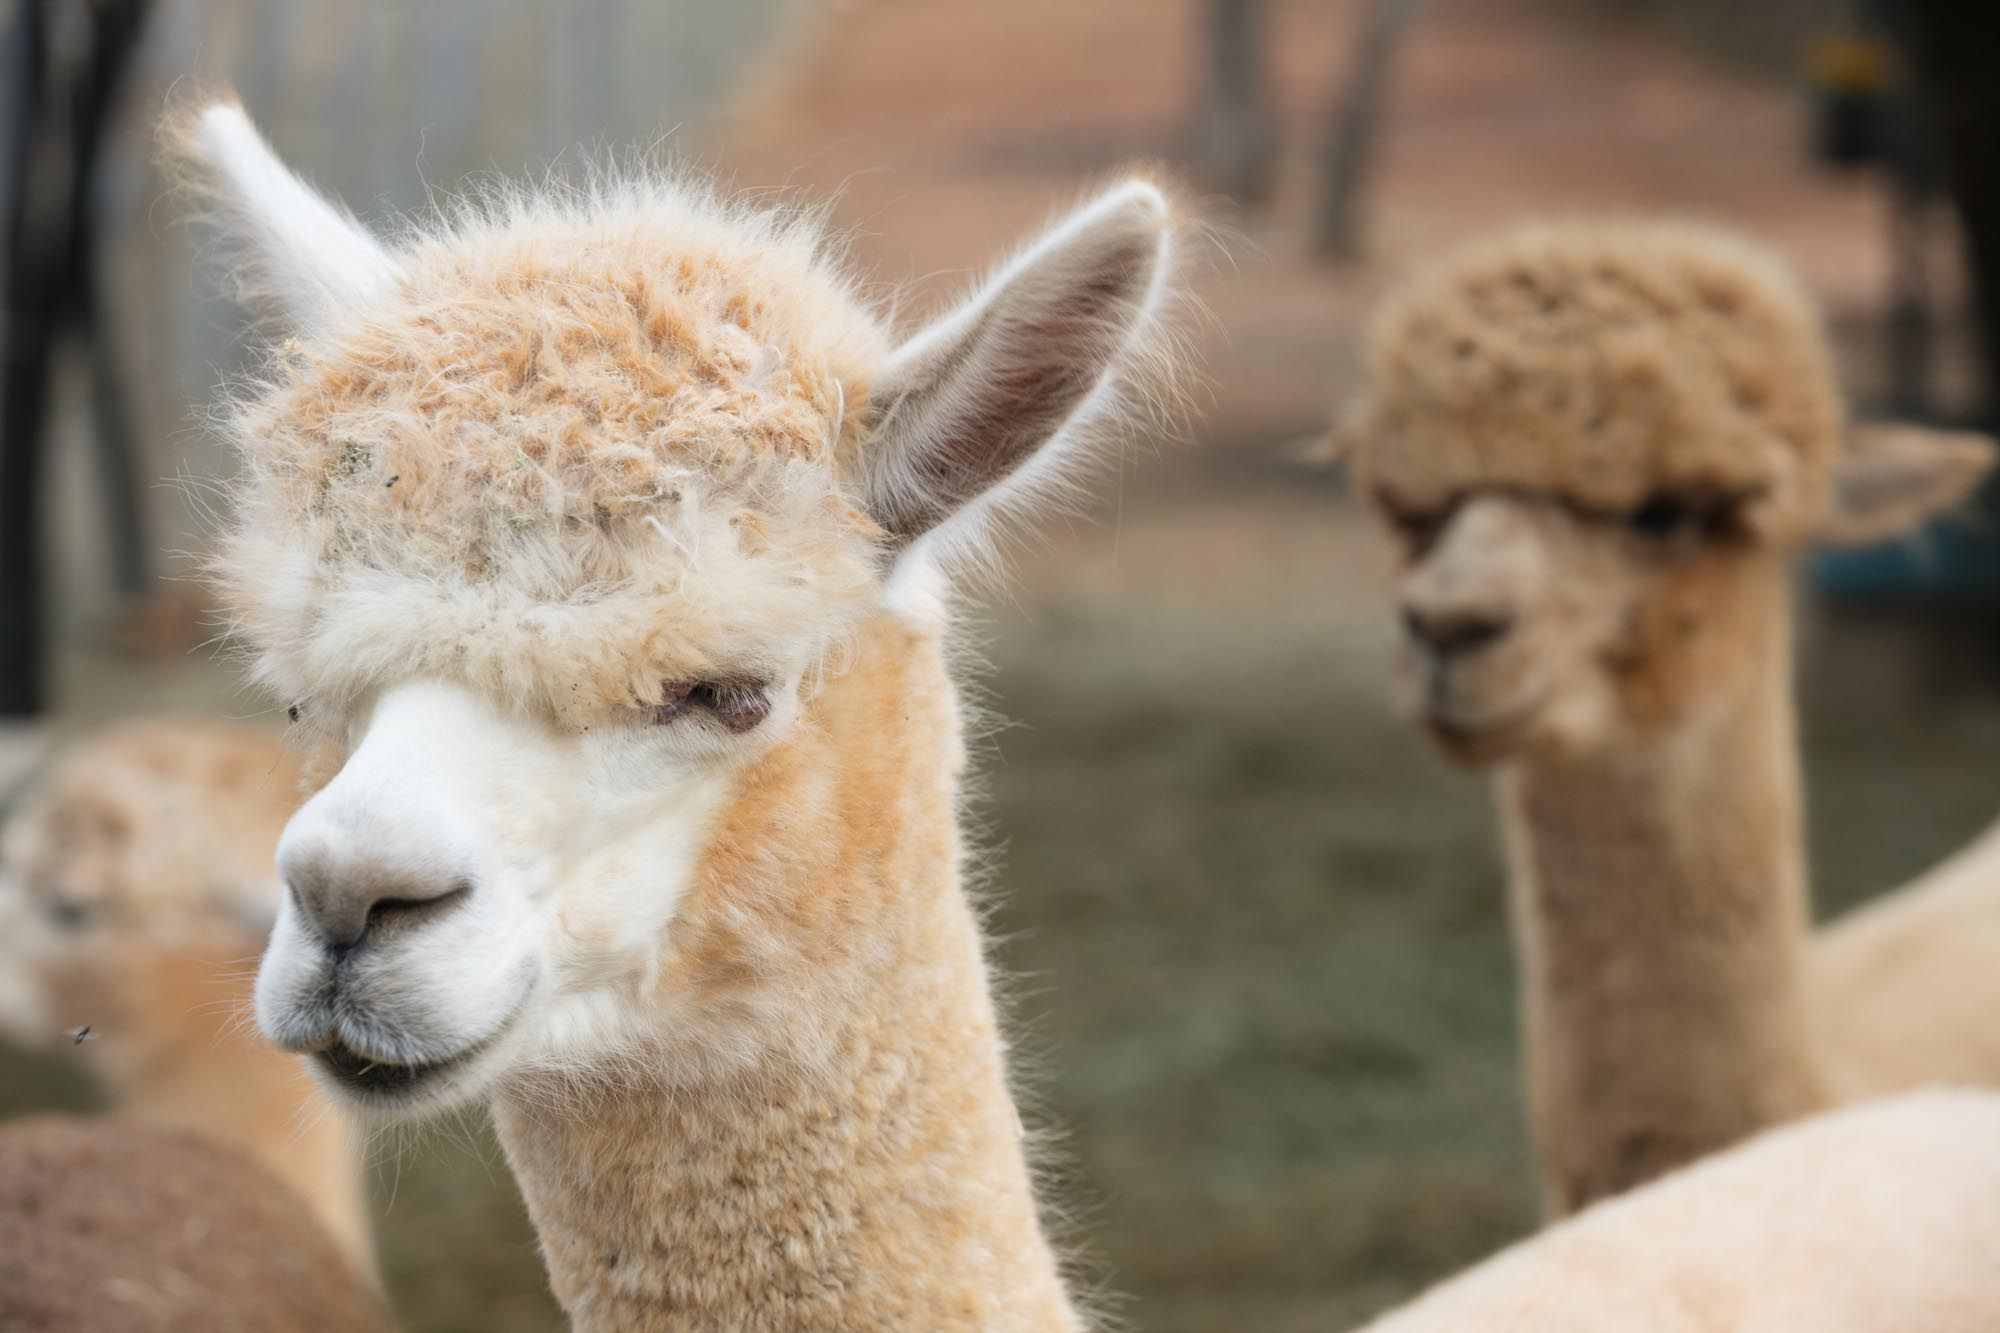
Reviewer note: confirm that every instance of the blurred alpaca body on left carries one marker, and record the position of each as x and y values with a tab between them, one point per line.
137	888
113	1224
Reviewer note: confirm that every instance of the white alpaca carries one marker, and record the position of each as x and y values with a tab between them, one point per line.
601	533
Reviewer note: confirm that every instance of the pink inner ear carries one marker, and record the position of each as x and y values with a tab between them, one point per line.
1006	386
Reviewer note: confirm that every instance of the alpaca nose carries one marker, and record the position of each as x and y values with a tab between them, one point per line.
349	900
1445	634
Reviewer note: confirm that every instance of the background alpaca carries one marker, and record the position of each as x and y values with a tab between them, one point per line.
1602	445
136	889
1876	1216
117	1225
602	532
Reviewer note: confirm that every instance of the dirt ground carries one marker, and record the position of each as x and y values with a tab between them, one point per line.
1255	928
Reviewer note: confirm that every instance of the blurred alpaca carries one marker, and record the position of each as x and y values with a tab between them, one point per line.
115	1225
606	534
136	889
1602	446
1873	1217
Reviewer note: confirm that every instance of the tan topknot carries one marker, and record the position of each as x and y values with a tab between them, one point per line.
585	445
1603	362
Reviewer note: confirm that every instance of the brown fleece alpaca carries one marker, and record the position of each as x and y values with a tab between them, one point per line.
134	1226
604	538
1603	445
136	888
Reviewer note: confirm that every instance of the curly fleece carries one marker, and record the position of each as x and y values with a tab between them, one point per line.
1604	362
589	444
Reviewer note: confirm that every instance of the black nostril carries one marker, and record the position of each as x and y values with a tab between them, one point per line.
1452	635
389	914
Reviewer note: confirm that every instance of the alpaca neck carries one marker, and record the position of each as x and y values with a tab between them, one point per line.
863	1167
234	1088
1659	900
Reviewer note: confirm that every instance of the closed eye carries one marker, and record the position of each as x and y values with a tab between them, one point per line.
738	705
1419	528
70	913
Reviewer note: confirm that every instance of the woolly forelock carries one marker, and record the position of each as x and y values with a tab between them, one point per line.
586	446
1603	363
169	821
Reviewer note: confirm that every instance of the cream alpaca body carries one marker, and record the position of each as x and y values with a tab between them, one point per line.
603	540
1602	446
1877	1216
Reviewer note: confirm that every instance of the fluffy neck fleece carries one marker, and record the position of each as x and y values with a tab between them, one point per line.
1660	902
866	1170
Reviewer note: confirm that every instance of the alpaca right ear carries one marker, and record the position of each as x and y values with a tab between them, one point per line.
978	404
1890	478
307	254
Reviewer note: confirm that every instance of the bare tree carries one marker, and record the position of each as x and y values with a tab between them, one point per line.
1354	124
1236	130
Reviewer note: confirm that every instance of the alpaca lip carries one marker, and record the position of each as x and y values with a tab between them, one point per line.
1476	739
376	1078
388	1080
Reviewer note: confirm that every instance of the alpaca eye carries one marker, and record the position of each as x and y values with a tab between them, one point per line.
1418	527
1661	517
70	913
738	705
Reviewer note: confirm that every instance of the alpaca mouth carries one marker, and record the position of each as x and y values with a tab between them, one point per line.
369	1077
1478	737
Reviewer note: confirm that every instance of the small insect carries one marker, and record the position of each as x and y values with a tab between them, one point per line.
81	1033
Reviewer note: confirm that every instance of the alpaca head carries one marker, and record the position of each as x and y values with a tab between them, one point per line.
1599	446
136	884
554	517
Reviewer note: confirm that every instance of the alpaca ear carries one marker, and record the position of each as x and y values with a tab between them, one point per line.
305	253
1333	447
978	402
1890	478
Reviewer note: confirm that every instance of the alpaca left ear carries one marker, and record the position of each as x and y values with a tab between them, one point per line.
304	253
1890	478
976	403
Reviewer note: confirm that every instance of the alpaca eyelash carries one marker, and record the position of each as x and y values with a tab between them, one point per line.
738	705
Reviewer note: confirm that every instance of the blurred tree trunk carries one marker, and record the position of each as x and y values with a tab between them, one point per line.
1236	130
1956	44
1353	126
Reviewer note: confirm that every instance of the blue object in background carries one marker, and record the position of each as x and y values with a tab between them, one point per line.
1954	560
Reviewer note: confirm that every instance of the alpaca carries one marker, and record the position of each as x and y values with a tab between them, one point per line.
136	1226
1875	1216
136	889
1601	446
604	536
